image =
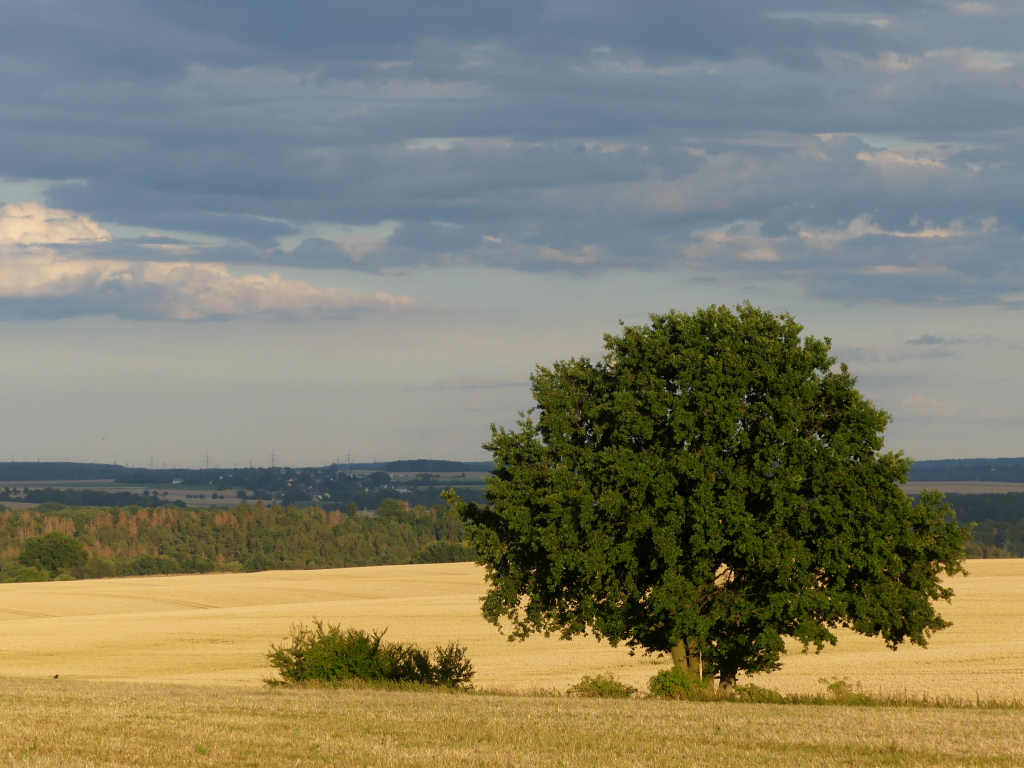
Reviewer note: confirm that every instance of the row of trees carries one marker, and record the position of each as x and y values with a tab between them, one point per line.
134	541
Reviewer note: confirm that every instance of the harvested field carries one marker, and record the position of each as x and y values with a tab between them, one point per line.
76	723
216	628
123	647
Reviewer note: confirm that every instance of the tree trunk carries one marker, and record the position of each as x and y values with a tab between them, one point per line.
685	655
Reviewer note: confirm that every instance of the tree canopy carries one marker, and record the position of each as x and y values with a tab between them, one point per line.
713	484
53	552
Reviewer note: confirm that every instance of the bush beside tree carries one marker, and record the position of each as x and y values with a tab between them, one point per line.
326	653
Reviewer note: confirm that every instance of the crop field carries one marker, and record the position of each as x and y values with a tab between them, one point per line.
161	670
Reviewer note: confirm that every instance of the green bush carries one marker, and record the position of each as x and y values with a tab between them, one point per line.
452	668
330	654
601	687
677	683
840	691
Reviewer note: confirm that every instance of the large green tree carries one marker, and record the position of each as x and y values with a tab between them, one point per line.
713	484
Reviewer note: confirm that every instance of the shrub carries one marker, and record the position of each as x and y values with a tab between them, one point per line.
330	654
754	694
601	687
676	683
451	666
843	693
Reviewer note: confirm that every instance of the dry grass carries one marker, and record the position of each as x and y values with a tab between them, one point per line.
75	723
216	628
117	644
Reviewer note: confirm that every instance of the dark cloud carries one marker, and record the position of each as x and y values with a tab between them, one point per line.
561	135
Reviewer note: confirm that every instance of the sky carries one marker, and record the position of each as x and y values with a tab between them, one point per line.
254	232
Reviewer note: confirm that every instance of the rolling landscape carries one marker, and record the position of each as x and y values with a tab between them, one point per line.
560	383
197	645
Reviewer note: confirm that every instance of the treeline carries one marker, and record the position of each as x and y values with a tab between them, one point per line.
44	471
997	520
251	537
968	470
330	487
83	497
48	471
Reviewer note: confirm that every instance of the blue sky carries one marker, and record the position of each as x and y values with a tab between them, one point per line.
334	228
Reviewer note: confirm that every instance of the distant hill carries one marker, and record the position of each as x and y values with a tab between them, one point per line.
44	471
968	470
50	471
1004	470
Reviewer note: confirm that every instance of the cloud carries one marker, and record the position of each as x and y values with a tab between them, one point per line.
740	240
34	224
865	226
977	60
888	160
928	339
557	136
582	256
974	8
38	281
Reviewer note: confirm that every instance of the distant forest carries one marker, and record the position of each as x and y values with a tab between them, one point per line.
969	470
1003	470
323	517
250	537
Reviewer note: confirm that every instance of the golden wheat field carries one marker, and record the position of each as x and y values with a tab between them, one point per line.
217	628
167	671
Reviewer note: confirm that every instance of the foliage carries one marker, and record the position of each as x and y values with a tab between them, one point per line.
253	537
997	522
678	683
841	692
330	654
601	687
54	552
17	573
445	552
710	486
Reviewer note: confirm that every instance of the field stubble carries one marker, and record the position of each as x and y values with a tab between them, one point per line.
217	628
118	644
78	723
